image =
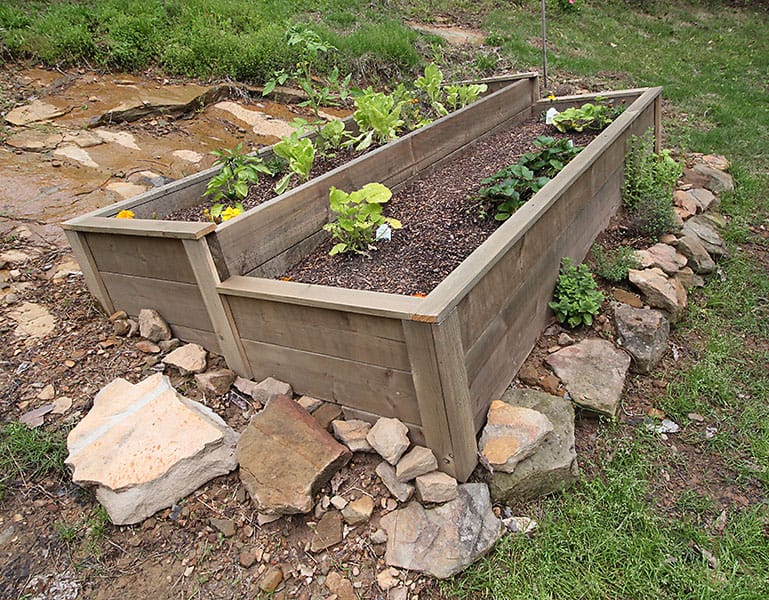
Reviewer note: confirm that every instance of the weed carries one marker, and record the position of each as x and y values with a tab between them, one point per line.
29	453
67	532
613	264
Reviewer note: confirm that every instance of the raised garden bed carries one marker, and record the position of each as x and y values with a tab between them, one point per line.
435	362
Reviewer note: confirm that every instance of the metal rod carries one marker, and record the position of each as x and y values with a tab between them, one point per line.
544	46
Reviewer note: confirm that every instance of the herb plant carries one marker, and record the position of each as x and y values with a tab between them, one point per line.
300	154
576	299
593	117
613	265
509	188
239	170
359	220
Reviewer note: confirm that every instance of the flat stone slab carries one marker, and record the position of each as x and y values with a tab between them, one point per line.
511	434
553	466
145	447
444	540
285	457
594	373
33	112
702	228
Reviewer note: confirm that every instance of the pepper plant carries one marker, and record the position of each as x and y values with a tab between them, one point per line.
239	171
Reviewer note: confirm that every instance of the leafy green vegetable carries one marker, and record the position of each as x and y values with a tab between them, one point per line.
359	215
576	299
593	117
458	96
239	171
431	83
300	154
378	118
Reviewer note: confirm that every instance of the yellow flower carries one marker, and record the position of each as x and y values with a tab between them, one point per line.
125	214
230	212
551	97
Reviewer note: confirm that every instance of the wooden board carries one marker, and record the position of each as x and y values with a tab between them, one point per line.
387	392
208	339
90	271
178	303
157	258
287	259
415	431
363	338
142	227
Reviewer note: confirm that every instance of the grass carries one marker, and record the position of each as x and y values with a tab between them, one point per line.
29	453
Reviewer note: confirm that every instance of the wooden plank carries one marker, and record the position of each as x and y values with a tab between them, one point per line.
322	296
178	303
562	102
141	227
415	431
387	392
90	270
158	258
452	289
199	257
443	394
287	259
190	335
363	338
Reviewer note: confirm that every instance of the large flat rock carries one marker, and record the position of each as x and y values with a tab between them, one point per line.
594	373
285	457
144	446
553	466
444	540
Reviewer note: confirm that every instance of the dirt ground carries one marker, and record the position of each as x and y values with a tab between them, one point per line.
56	543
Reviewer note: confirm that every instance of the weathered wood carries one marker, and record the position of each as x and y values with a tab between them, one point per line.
190	335
158	258
199	258
287	259
443	393
363	338
91	274
178	303
388	392
563	102
322	296
141	227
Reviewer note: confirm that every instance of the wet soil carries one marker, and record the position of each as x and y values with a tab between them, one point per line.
440	222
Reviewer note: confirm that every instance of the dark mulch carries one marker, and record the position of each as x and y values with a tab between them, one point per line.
439	231
264	189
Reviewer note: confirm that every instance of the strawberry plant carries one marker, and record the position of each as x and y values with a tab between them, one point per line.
359	220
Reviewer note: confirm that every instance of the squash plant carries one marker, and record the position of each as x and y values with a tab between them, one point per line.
359	220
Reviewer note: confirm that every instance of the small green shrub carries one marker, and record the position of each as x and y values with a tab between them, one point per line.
576	299
613	265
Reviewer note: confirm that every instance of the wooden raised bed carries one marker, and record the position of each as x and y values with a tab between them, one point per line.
434	362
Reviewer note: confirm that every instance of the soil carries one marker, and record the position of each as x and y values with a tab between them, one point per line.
440	224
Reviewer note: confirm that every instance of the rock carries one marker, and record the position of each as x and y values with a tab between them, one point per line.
663	256
340	586
594	373
553	466
379	536
247	558
35	418
326	414
165	345
684	201
309	403
17	258
686	277
225	526
389	437
703	229
659	291
33	112
386	472
145	447
61	405
121	327
152	326
669	239
353	434
565	339
520	524
216	382
699	259
33	320
358	511
328	532
628	298
271	580
338	502
644	334
418	461
32	140
270	388
286	457
189	358
703	198
716	219
386	580
398	593
443	540
528	374
147	347
511	434
716	180
436	487
47	393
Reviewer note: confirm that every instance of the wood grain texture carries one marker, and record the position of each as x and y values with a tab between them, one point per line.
88	266
141	227
157	258
363	338
288	258
387	392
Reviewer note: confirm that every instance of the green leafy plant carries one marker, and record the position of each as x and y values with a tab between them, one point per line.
431	83
239	171
576	299
458	96
300	154
613	264
359	220
378	118
650	180
509	188
223	212
330	137
28	453
593	117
